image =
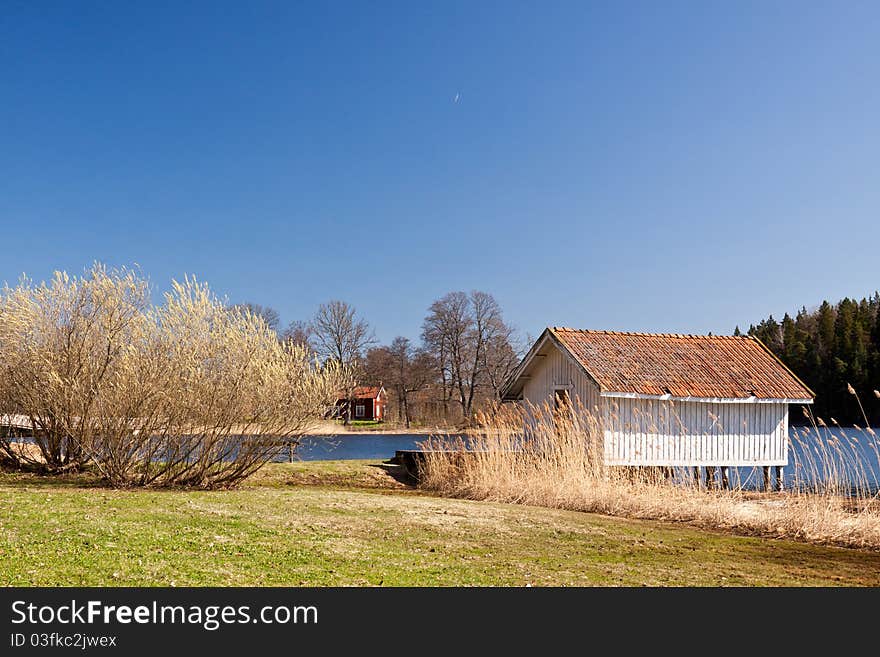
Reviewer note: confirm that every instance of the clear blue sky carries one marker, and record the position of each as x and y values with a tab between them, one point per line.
651	166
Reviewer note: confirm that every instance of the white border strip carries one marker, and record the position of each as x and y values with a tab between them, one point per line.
708	400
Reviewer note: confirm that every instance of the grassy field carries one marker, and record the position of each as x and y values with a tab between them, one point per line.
351	523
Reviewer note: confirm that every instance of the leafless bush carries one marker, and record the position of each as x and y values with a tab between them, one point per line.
188	393
59	345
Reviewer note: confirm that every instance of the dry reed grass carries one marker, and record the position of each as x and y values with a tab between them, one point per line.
558	463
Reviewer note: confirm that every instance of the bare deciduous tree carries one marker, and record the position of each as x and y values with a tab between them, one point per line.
470	341
495	339
266	313
402	368
340	336
444	333
299	333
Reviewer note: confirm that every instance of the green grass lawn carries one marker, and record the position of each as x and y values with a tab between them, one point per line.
350	523
363	424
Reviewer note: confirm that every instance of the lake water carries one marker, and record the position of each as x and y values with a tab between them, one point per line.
850	457
847	455
354	446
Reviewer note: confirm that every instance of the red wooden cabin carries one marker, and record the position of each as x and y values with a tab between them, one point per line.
367	403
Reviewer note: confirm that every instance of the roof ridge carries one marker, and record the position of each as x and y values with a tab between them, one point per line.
646	334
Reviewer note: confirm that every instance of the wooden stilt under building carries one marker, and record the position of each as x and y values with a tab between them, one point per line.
710	477
725	477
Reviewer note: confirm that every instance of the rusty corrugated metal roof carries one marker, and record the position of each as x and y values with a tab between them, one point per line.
681	365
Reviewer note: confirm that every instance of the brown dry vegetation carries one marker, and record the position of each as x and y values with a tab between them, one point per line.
560	466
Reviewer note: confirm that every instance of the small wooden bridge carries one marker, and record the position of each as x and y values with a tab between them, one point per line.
16	424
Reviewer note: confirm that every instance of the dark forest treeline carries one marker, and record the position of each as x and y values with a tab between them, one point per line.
828	348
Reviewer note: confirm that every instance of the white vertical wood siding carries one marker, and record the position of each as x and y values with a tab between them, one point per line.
654	432
557	370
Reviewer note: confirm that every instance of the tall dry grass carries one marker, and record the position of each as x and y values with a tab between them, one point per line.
557	462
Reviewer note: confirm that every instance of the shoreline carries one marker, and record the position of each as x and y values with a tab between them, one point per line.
323	432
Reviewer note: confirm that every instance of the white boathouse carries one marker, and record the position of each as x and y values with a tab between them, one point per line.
668	399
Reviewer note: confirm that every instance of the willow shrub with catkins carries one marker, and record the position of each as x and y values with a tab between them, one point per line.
557	462
186	393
